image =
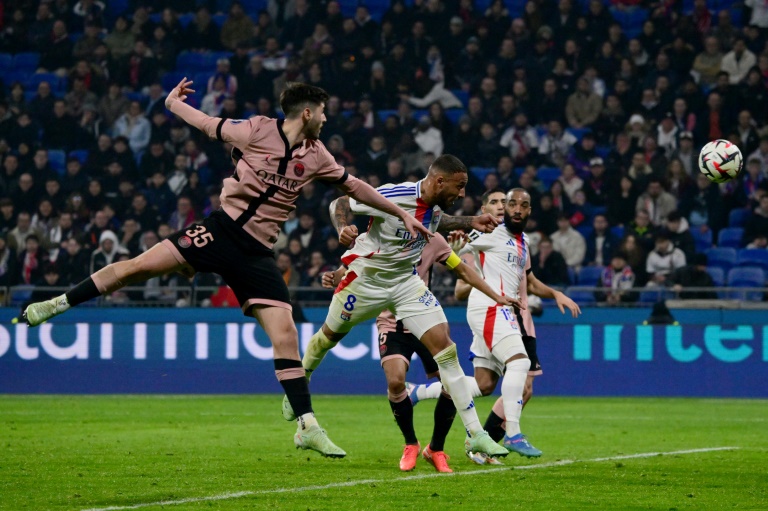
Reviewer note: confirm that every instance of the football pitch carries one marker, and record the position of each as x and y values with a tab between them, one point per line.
236	452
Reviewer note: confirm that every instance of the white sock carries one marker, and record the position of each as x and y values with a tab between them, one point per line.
319	345
306	421
473	386
512	393
429	390
455	384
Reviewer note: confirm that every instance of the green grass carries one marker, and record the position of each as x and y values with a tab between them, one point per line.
65	452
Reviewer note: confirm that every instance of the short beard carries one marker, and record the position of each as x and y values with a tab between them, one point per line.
512	226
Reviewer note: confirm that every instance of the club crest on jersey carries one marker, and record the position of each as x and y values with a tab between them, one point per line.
299	169
185	242
345	316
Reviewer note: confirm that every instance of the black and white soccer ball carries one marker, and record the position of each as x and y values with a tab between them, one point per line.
721	161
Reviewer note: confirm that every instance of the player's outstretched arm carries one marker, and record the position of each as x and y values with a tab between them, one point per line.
538	288
339	210
482	223
470	276
368	195
211	126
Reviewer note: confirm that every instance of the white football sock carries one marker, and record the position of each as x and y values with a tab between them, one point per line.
319	345
455	383
473	386
306	421
429	390
512	393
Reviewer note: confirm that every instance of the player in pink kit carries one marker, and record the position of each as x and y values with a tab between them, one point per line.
396	347
278	159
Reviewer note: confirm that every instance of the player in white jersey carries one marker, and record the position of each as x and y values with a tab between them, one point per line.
381	275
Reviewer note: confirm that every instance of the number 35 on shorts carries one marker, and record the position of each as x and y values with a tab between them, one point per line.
199	236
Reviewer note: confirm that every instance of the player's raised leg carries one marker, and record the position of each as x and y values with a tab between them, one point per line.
436	338
156	261
281	330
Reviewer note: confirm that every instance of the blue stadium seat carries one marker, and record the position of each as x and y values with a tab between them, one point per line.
171	80
548	175
738	217
481	172
6	61
585	229
589	275
27	61
20	297
461	95
717	274
383	114
753	257
219	19
10	77
80	154
722	257
618	232
580	296
578	132
603	151
454	114
703	239
572	277
730	237
653	295
58	161
34	80
746	276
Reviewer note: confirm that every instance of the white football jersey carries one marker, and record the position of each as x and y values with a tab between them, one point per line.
501	258
387	249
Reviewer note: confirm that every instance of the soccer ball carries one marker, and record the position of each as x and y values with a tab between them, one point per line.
720	160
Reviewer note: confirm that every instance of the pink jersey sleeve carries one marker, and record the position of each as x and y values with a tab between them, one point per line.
237	132
327	168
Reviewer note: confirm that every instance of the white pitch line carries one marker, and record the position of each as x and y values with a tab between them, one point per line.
226	496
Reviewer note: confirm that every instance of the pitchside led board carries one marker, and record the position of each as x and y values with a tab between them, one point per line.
607	352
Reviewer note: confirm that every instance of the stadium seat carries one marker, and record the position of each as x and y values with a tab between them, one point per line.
58	161
746	276
618	232
738	217
703	239
753	257
20	297
590	275
186	19
721	257
461	95
572	278
6	61
603	151
170	80
34	80
27	61
219	19
585	230
454	114
548	175
580	296
717	274
383	114
11	77
730	237
481	172
80	154
578	132
653	295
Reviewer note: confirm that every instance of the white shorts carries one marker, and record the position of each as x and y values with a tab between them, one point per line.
496	337
359	298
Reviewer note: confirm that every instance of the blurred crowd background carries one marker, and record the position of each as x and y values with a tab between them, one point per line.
597	108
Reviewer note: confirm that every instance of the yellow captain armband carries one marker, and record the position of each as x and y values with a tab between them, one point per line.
453	260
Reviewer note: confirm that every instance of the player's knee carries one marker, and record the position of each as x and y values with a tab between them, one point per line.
519	363
486	387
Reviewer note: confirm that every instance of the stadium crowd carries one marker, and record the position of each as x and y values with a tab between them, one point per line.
597	109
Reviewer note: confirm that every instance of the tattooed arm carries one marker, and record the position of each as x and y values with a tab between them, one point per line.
482	223
340	210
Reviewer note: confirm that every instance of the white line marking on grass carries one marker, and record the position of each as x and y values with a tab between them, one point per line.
346	484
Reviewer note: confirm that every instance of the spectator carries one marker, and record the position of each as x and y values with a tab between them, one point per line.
616	282
760	241
686	154
677	179
41	106
643	230
214	100
601	243
702	206
708	63
120	40
549	266
583	106
427	137
656	201
691	276
749	140
751	186
8	264
134	126
139	68
56	53
756	225
79	97
569	242
761	154
570	181
237	28
183	216
202	33
307	233
679	234
49	285
664	259
32	260
596	186
738	61
25	194
555	144
109	249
